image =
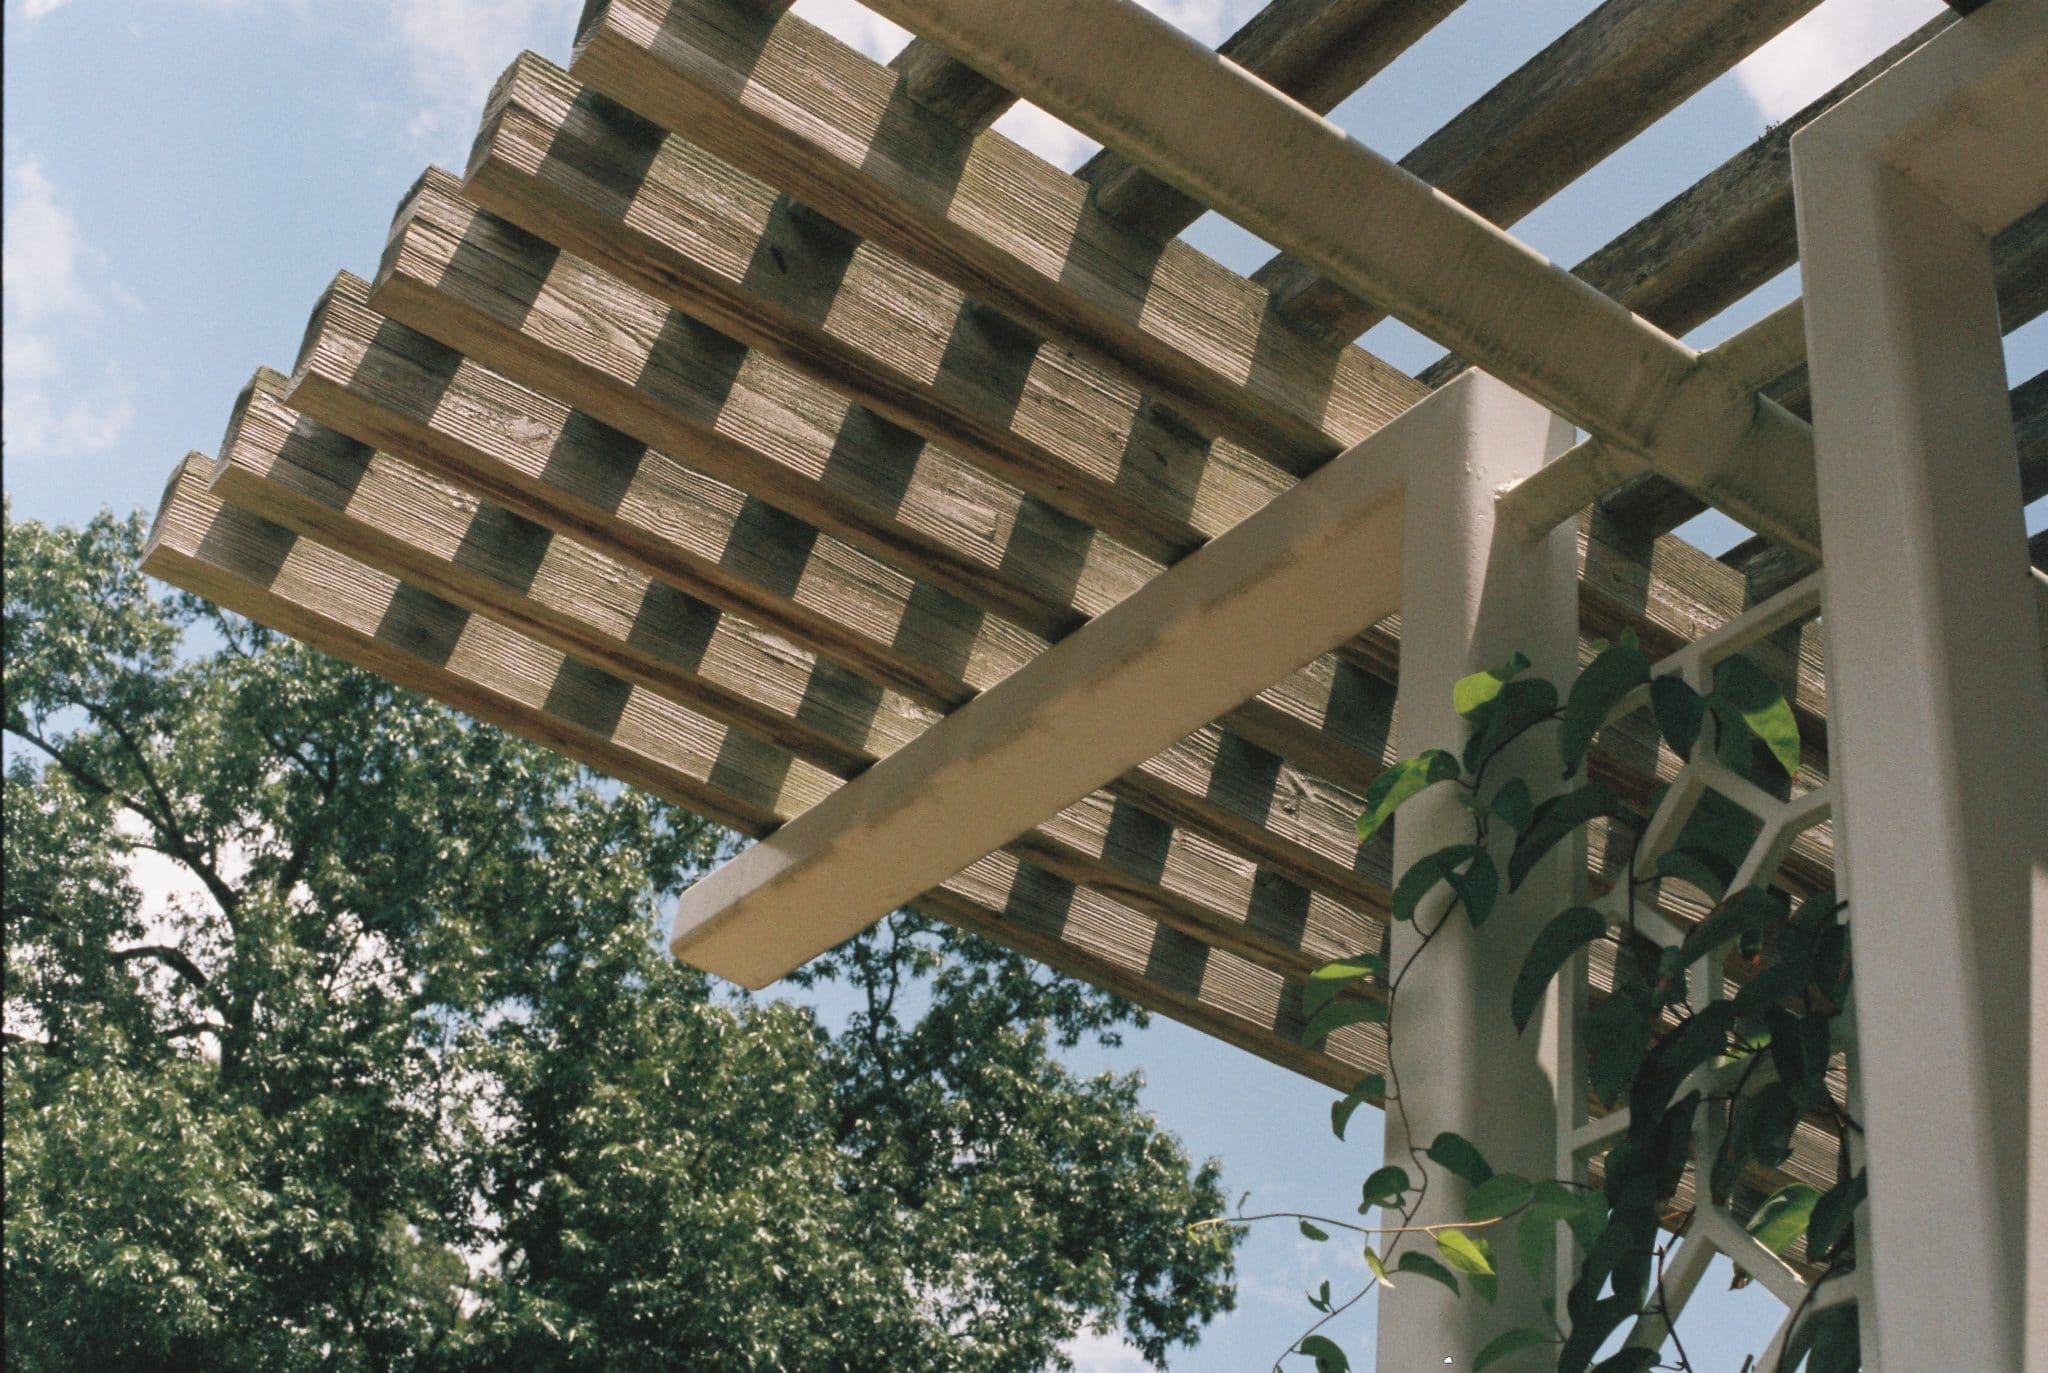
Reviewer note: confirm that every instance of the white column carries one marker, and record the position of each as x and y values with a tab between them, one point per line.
1471	593
1938	721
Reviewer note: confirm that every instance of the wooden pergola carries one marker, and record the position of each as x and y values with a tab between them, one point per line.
753	424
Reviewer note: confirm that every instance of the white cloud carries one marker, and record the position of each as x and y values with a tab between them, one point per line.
36	9
56	287
1832	41
452	50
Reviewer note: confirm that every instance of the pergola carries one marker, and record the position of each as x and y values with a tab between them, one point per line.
752	424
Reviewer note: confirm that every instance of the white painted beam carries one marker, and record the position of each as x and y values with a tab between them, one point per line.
1242	147
1473	591
1315	567
1939	717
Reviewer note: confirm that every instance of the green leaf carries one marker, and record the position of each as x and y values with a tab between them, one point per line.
1415	1261
1496	724
1470	693
1478	887
1761	706
1378	1266
1485	1286
1749	911
1329	1358
1399	782
1455	1153
1513	804
1535	1235
1699	1039
1325	982
1783	1216
1678	710
1314	1232
1553	820
1829	1340
1464	1252
1384	1185
1506	1343
1617	1035
1605	681
1423	874
1338	1014
1373	1086
1500	1195
1567	933
1832	1214
1321	1300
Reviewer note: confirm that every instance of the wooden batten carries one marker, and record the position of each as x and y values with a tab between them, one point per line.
1605	80
690	229
554	322
797	108
332	602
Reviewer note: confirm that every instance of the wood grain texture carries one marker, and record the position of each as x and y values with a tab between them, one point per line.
792	106
1317	51
399	519
695	232
948	87
552	321
343	607
1612	75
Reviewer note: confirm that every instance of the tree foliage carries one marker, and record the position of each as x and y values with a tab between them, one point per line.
411	1086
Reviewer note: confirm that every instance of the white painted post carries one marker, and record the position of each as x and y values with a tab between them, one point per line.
1939	725
1472	592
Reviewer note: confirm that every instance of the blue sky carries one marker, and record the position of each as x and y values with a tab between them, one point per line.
184	176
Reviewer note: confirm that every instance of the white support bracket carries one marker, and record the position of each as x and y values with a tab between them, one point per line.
1318	565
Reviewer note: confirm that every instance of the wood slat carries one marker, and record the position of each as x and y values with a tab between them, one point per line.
557	323
399	519
386	385
795	107
948	87
691	230
1612	75
343	607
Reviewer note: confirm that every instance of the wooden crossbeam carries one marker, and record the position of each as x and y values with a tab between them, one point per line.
399	519
791	105
761	98
341	606
681	225
389	386
1605	80
479	283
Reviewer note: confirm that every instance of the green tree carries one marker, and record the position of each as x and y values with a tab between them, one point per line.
412	1085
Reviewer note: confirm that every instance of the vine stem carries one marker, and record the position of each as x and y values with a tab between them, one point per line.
1356	1229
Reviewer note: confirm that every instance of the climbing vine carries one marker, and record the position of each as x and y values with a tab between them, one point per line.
1663	1043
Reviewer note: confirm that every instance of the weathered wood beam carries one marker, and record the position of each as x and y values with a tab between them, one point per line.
386	385
791	105
555	322
1612	75
1317	51
1384	234
399	519
949	88
685	227
374	621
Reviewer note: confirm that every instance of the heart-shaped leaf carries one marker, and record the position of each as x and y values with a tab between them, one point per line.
1399	782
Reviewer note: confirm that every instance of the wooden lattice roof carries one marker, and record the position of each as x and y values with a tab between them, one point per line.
748	406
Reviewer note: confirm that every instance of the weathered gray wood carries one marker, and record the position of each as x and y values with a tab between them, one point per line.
1318	51
399	519
2019	259
948	87
685	227
342	607
557	323
1612	75
794	107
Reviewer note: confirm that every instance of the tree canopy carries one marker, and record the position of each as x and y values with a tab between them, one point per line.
412	1086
